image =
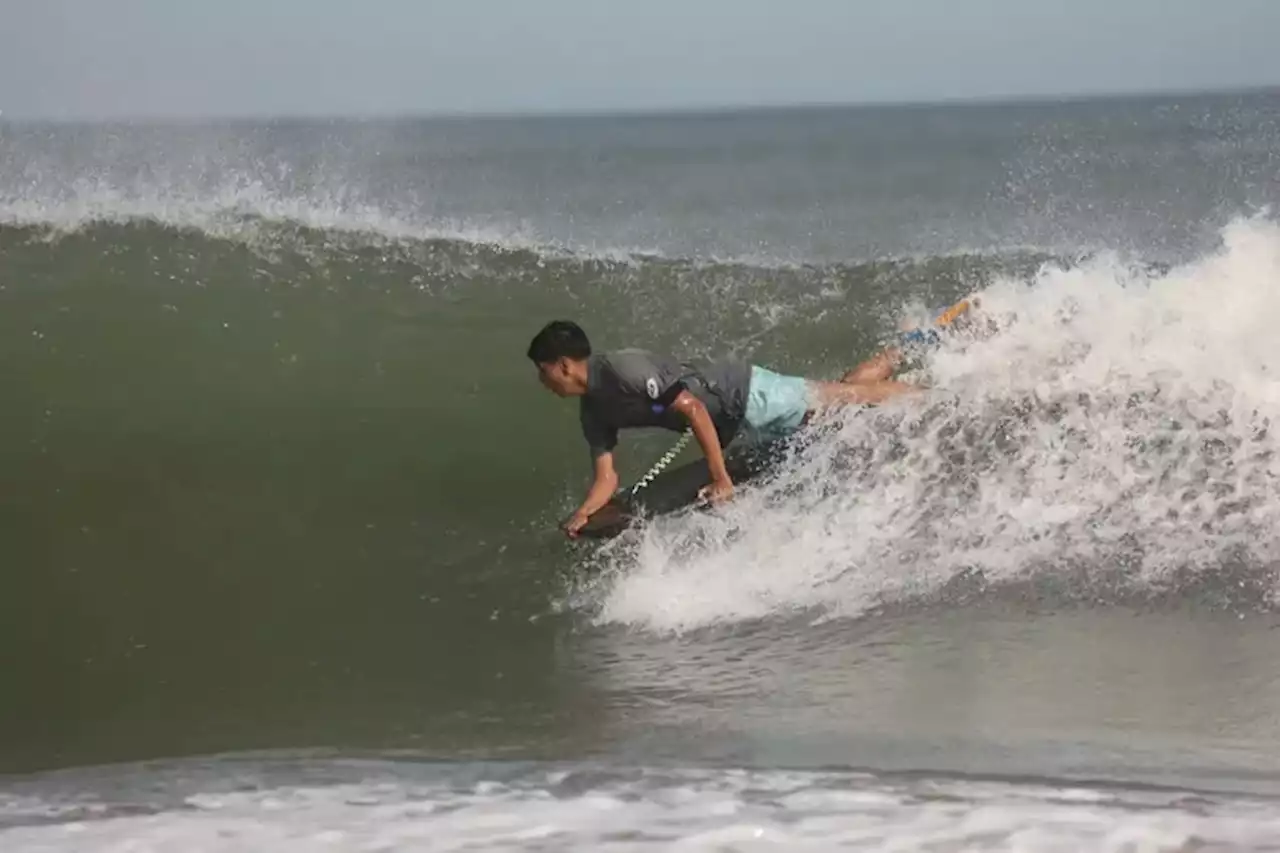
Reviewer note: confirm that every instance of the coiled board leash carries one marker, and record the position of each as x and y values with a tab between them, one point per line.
663	462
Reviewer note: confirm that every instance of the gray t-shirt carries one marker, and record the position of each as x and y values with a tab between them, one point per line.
635	388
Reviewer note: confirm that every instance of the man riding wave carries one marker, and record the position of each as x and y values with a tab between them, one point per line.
723	401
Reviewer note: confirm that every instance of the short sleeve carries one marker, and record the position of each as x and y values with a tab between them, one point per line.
601	437
639	375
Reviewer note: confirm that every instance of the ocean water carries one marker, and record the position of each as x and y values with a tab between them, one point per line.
281	567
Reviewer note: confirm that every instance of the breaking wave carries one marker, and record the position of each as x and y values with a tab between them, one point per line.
1101	428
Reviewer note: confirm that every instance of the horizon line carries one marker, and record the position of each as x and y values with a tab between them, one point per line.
687	110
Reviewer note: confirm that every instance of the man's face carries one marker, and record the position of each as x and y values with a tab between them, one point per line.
555	377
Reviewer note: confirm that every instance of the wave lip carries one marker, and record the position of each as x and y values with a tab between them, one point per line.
235	209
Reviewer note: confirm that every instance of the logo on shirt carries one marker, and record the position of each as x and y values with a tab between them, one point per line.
651	385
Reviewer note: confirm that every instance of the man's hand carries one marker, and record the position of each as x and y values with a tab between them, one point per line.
602	489
576	522
717	492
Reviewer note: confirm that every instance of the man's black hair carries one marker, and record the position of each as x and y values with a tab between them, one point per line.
559	339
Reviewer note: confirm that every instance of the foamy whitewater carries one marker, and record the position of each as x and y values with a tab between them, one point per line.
1101	420
593	808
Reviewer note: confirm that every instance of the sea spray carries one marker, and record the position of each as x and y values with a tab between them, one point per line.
1109	425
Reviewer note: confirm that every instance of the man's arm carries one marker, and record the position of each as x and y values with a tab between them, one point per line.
705	431
602	489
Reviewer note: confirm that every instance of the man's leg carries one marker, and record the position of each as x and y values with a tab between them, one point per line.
875	369
830	394
778	405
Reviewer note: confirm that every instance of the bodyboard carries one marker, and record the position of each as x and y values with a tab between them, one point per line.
676	489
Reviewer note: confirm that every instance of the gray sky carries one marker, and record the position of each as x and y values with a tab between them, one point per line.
66	58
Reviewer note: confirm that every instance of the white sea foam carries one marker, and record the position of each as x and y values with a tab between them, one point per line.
563	809
1112	423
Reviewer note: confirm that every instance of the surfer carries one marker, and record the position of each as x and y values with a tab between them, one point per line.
721	401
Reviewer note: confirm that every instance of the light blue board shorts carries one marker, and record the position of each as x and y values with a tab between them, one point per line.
776	404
